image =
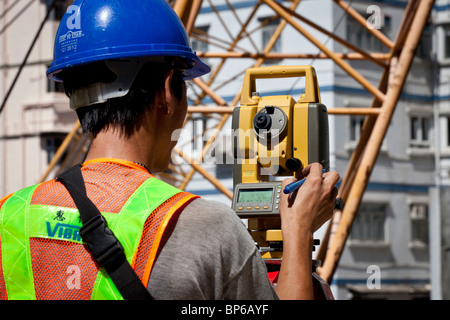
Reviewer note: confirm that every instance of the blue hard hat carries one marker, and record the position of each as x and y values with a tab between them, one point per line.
100	30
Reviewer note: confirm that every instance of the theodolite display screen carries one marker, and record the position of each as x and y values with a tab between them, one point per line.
256	195
256	199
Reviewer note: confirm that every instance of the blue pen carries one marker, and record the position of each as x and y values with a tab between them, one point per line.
291	187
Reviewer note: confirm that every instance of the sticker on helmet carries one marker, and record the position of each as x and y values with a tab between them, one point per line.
68	41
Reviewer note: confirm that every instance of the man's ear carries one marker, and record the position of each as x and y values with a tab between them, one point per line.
168	95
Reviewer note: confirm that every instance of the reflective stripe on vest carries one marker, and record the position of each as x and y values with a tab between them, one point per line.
20	221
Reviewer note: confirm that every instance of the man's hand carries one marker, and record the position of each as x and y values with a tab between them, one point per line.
310	206
303	212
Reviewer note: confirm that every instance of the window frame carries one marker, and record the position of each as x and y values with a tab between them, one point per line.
367	227
420	131
419	222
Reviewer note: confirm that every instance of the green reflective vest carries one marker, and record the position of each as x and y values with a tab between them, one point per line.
20	221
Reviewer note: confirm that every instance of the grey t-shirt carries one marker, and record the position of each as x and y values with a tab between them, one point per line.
209	255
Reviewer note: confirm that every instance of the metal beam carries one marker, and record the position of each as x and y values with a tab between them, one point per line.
399	72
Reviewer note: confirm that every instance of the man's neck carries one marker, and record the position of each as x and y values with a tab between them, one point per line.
112	144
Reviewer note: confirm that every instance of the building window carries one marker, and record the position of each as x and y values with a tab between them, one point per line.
447	42
269	26
361	37
369	223
199	40
448	131
54	86
267	32
59	10
356	124
420	131
50	143
419	223
423	49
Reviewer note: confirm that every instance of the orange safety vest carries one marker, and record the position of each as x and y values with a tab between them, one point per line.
42	255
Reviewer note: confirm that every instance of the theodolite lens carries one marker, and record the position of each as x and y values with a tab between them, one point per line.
262	121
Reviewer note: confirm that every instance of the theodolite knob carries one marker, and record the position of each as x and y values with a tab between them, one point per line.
316	242
293	164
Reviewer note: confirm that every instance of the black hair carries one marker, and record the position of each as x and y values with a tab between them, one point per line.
123	113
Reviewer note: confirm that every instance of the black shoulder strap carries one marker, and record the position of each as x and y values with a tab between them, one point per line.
104	246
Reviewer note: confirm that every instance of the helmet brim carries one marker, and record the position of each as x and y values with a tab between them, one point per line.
195	67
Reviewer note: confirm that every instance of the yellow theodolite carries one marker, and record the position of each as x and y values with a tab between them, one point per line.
274	136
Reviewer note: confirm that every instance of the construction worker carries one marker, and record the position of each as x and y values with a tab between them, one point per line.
124	65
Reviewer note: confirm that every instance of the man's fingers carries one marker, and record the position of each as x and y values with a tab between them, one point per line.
334	194
331	177
313	168
286	181
314	173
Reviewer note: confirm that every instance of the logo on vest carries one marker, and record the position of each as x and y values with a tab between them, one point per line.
64	231
59	216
